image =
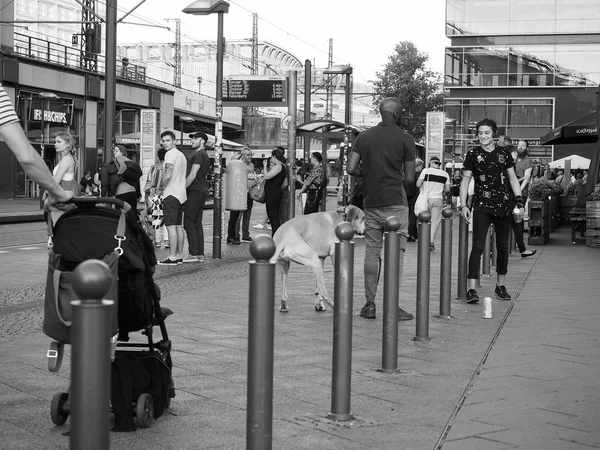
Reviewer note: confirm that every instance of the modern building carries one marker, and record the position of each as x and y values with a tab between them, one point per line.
530	65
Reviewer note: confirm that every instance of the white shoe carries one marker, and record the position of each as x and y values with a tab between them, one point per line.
258	226
190	259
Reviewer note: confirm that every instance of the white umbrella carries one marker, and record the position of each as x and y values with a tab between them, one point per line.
577	162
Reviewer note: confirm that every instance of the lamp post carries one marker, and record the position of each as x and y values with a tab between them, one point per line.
205	8
44	96
344	70
183	119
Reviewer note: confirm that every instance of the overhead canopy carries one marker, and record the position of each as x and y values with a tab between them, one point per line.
581	131
577	162
325	126
134	138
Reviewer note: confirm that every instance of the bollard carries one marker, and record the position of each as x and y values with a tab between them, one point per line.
261	306
446	264
391	293
90	357
463	258
493	245
423	267
487	251
342	324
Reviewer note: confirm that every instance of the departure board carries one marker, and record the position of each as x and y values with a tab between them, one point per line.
255	90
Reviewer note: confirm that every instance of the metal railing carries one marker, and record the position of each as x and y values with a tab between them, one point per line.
52	52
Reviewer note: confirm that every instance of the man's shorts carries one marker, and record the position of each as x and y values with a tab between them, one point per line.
172	211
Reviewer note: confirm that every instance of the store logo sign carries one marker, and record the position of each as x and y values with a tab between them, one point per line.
50	116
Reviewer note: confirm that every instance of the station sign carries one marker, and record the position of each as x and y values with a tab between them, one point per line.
255	90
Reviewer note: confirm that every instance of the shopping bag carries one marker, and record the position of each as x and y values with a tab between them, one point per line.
257	192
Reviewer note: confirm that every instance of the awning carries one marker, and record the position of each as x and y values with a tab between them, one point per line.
581	131
325	126
577	162
134	138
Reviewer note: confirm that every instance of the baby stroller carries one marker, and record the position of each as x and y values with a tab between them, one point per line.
101	228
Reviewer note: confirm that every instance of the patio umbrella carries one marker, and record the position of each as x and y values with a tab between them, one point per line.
581	131
577	162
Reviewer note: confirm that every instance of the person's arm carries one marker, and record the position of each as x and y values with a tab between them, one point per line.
514	184
167	175
192	175
421	179
32	163
525	180
270	173
447	186
353	167
306	183
464	190
409	178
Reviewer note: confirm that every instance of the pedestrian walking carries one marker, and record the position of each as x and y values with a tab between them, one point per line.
274	173
314	184
412	195
493	203
434	181
233	236
198	165
384	156
523	169
174	197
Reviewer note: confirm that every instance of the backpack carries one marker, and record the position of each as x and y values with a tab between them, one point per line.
127	172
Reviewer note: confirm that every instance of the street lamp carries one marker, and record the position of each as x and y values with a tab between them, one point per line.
183	119
344	70
205	8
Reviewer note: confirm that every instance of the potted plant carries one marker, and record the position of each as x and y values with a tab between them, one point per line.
540	193
592	218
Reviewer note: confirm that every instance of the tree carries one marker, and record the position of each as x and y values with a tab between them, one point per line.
406	78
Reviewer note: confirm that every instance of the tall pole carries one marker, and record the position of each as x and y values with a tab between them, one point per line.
110	80
346	153
307	88
218	197
292	111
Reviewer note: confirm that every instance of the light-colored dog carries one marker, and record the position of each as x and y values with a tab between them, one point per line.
308	240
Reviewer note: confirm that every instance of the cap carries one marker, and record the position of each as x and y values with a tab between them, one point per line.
434	159
199	134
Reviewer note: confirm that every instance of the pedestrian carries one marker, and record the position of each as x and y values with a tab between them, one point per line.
233	236
523	169
153	195
434	181
384	156
488	164
115	186
64	171
87	183
198	166
174	197
31	162
455	188
413	230
314	184
274	173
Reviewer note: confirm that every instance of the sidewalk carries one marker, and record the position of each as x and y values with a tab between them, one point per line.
527	378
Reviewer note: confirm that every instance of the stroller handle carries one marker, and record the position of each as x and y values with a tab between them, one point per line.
91	201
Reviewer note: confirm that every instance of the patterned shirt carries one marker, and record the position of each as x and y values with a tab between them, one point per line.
315	178
7	110
492	194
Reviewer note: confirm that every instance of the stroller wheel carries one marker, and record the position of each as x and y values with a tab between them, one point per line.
55	356
57	410
144	410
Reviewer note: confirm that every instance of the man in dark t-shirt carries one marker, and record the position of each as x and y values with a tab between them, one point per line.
197	191
384	156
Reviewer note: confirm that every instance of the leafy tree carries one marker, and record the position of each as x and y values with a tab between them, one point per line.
406	78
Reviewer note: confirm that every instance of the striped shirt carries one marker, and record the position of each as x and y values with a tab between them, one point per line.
434	181
7	110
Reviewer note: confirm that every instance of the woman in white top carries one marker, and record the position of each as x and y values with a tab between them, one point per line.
64	172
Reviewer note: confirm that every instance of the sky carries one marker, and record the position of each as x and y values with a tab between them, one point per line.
363	37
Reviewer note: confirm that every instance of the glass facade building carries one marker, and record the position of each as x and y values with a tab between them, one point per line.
530	65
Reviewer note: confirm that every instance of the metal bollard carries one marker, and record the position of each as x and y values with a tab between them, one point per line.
342	324
423	267
446	264
487	251
463	258
261	306
391	293
90	357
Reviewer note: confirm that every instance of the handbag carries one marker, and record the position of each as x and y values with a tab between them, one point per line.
257	192
422	203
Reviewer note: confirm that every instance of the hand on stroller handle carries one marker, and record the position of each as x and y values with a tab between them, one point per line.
99	200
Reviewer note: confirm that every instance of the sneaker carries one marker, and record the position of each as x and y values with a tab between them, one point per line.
247	239
190	259
403	315
201	258
167	262
233	242
472	296
258	226
501	293
368	311
157	245
179	261
527	253
166	244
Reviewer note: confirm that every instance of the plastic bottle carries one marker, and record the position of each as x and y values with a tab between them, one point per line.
517	214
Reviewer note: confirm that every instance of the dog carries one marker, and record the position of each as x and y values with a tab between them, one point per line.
308	240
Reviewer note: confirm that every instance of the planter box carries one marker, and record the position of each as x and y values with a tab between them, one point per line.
592	224
539	222
567	203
